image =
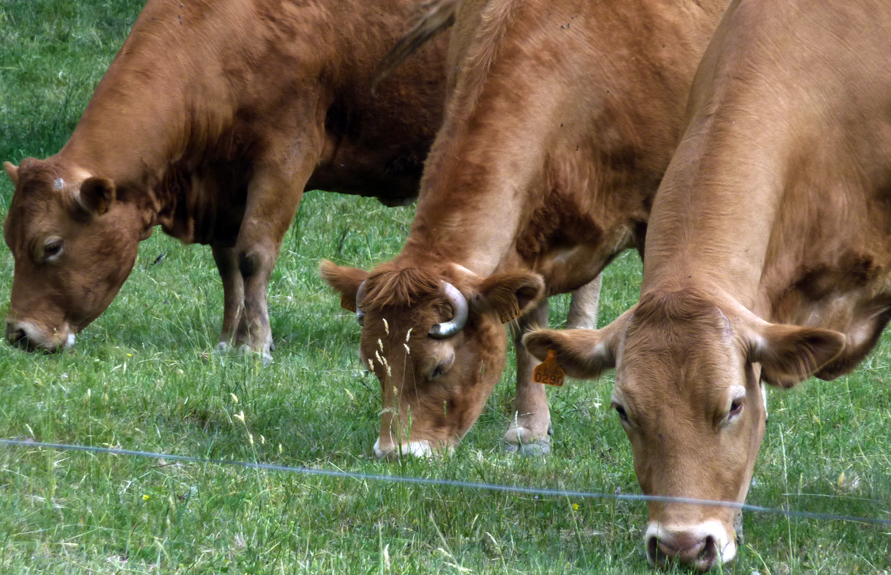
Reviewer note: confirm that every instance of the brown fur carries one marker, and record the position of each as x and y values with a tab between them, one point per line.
669	307
399	287
561	119
211	121
792	354
508	294
572	348
775	213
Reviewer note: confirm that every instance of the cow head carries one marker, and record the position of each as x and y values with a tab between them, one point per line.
688	396
74	244
435	339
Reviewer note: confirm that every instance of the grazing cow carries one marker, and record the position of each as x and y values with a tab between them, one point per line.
211	121
768	256
561	122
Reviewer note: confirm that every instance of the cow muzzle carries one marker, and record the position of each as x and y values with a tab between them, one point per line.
392	452
701	546
31	337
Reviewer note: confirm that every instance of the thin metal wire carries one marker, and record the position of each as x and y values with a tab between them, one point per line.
446	482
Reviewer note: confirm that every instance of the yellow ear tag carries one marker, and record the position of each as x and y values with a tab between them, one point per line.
549	371
102	207
346	304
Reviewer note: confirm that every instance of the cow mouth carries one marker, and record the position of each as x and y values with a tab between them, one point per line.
421	449
700	547
28	337
702	556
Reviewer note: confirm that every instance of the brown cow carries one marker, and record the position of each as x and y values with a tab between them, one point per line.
768	256
211	121
562	119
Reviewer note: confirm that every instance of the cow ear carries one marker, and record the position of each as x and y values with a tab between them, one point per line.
790	354
343	280
96	195
509	294
582	353
12	172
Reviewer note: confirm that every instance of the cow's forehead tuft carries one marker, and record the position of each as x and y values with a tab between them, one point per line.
399	287
36	178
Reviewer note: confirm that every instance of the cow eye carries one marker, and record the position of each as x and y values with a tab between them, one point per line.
52	248
438	371
736	408
623	415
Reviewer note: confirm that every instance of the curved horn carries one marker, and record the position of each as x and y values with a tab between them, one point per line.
360	314
449	328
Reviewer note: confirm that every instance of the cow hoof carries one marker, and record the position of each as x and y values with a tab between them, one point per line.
537	448
521	440
265	356
246	350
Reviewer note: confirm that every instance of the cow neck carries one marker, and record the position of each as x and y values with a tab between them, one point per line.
146	112
477	180
469	216
713	216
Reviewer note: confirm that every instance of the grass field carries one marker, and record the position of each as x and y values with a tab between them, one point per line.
144	376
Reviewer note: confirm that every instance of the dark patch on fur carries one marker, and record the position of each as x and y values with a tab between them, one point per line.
172	192
853	270
248	264
558	221
624	159
821	281
409	160
340	121
640	233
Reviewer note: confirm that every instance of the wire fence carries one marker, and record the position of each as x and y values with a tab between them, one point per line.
451	483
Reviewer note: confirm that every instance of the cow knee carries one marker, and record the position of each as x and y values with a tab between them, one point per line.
251	263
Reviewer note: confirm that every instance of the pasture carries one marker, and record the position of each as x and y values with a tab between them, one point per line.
145	376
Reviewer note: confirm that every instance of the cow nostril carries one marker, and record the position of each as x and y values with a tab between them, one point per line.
659	552
653	552
16	337
701	554
20	338
709	553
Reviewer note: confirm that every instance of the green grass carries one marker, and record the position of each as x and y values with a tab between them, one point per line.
144	376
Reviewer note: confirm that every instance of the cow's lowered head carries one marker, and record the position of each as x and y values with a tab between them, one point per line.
688	396
434	337
74	239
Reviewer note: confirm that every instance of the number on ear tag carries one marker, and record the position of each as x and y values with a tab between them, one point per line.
549	371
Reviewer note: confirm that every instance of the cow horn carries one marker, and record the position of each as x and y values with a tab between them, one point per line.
449	328
360	313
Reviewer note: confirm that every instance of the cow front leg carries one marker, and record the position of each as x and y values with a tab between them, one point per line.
226	259
584	305
530	424
273	198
